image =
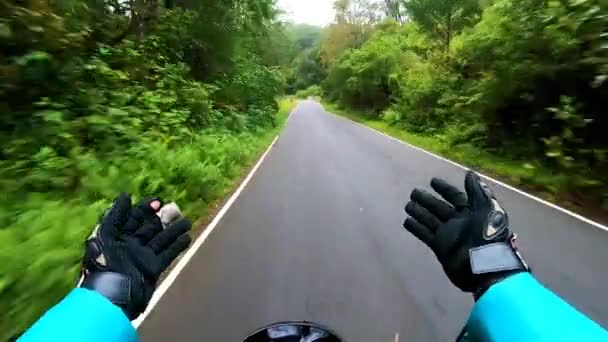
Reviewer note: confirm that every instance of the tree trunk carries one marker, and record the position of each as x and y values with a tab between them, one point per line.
394	10
137	12
151	13
448	31
135	24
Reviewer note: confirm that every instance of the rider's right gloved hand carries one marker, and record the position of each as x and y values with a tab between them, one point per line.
469	233
128	251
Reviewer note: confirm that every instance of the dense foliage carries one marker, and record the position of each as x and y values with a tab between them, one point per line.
306	69
97	97
522	80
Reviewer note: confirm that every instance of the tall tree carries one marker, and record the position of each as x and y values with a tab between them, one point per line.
394	9
442	19
305	36
357	12
353	24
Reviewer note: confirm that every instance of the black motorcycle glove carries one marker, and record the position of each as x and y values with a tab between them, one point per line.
128	251
469	234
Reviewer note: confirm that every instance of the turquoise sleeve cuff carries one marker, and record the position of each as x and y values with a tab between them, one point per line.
521	309
83	315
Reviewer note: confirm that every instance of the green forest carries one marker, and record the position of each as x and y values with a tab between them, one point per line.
169	98
513	88
177	98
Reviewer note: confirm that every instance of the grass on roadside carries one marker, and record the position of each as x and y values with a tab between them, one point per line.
531	175
42	233
286	105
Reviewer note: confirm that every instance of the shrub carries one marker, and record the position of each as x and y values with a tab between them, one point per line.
312	91
425	100
43	233
361	78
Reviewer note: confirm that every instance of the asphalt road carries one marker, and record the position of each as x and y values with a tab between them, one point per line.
316	235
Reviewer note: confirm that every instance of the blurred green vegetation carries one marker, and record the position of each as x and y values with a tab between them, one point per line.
519	87
168	98
312	91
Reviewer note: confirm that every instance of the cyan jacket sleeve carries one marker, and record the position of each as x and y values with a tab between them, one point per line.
83	315
521	309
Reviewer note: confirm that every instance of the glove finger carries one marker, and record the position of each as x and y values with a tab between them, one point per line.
478	193
423	216
450	193
119	212
165	238
433	204
150	229
143	211
419	231
144	259
173	251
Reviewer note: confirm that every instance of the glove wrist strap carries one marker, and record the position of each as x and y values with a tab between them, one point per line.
495	262
496	257
114	286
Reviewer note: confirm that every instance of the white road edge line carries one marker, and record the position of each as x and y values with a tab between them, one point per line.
168	281
554	206
292	112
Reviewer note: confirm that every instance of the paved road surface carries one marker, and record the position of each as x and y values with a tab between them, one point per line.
316	235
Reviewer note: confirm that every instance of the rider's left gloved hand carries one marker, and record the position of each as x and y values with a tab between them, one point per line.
469	233
128	251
